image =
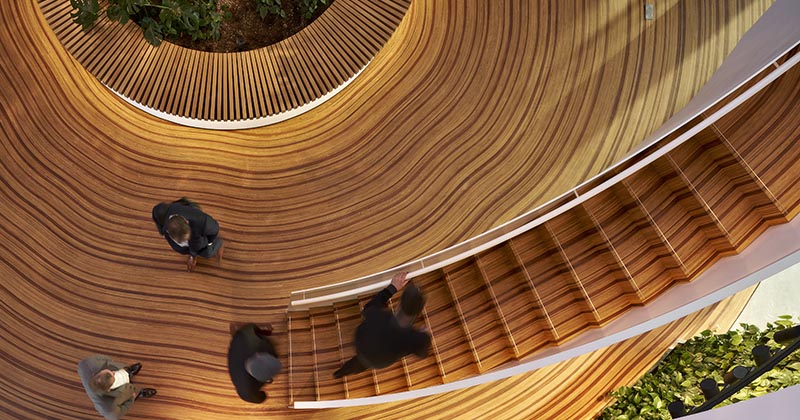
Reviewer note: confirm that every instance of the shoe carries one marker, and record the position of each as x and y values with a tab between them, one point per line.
146	393
133	369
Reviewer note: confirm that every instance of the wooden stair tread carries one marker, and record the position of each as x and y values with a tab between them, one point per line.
561	297
479	314
688	228
522	311
650	261
606	284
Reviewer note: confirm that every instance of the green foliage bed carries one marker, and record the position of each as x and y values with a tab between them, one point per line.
678	375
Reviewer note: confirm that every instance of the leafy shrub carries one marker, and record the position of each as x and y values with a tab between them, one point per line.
270	7
199	19
678	375
308	7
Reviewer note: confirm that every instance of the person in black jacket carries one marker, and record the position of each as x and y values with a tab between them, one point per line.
188	230
383	337
252	362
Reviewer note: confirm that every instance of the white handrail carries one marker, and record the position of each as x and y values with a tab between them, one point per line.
775	250
418	267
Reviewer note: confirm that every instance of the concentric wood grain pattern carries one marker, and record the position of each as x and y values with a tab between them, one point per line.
231	86
471	114
679	215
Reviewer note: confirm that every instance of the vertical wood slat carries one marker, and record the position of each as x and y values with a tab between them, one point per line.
250	107
174	78
276	79
203	104
304	69
323	68
127	53
265	91
330	54
189	84
153	90
237	86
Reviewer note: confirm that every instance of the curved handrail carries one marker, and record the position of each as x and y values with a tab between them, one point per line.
776	250
318	296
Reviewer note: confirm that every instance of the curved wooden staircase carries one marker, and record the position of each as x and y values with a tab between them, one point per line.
667	222
561	91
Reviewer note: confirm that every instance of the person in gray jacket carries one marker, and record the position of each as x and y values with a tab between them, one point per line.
109	385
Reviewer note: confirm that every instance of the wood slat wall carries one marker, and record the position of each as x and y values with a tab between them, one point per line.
231	86
396	166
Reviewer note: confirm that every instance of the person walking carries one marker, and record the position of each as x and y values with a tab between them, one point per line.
383	338
188	230
252	362
109	385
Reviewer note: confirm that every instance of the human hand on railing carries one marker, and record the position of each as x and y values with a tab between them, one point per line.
399	280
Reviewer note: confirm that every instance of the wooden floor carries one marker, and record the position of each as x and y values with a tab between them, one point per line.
468	117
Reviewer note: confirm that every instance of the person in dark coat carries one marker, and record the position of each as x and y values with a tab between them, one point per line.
188	230
383	337
252	362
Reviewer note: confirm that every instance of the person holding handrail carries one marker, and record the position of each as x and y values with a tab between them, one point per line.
383	338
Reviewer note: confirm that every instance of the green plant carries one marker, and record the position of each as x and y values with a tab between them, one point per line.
678	375
84	12
308	7
158	19
270	7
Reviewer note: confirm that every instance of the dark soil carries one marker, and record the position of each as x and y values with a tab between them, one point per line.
246	30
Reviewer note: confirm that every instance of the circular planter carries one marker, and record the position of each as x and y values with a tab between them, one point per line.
231	90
